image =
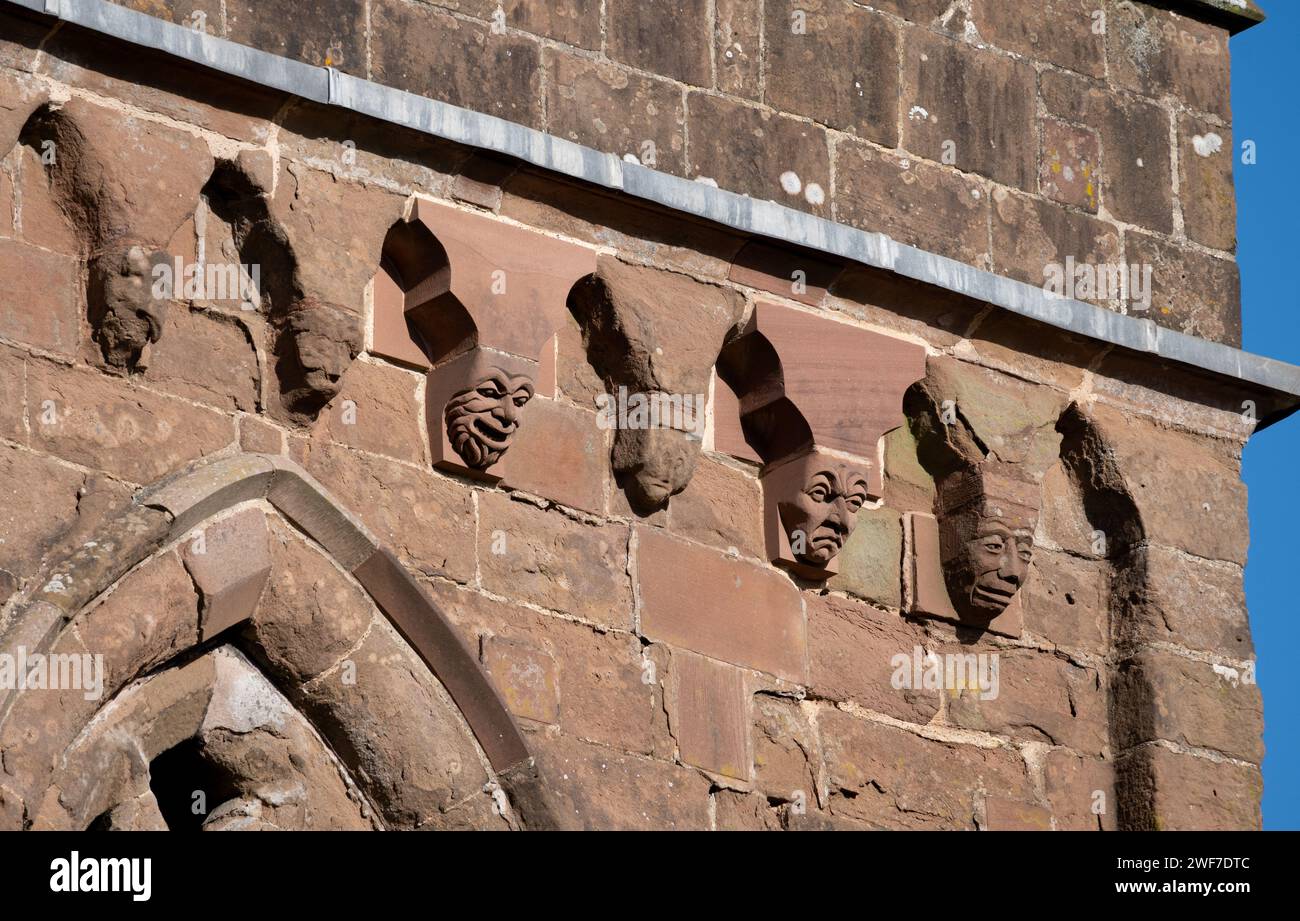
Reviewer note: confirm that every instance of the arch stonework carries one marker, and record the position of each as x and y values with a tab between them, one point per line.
41	733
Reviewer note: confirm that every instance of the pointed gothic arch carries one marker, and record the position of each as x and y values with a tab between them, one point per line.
69	608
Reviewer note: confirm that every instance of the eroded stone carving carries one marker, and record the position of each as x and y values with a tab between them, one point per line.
125	309
654	334
125	186
311	284
315	345
654	464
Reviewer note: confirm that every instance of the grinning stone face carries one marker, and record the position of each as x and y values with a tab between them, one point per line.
996	561
987	544
482	421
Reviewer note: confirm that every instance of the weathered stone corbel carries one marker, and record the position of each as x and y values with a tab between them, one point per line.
987	440
319	240
126	186
813	398
970	562
124	311
476	302
653	337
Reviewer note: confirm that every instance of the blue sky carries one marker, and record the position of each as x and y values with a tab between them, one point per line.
1266	110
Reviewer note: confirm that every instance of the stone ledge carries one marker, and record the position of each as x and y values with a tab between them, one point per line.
1233	15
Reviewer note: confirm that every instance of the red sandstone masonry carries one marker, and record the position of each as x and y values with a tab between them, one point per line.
523	550
718	606
595	684
709	709
590	625
229	562
41	308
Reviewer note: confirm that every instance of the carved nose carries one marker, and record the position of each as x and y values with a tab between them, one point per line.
507	412
1012	570
839	515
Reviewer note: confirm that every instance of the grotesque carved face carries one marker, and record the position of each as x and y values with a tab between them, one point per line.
654	464
996	562
482	421
987	544
124	310
817	498
819	518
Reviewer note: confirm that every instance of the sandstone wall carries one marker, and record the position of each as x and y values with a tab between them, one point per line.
1004	134
664	672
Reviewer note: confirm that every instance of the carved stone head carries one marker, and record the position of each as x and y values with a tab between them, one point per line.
812	504
318	343
482	420
653	464
986	540
125	312
473	407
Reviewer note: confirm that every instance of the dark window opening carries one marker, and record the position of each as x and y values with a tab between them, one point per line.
187	786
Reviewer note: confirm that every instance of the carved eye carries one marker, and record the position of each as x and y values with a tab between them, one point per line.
855	502
1026	555
521	399
819	493
993	545
491	391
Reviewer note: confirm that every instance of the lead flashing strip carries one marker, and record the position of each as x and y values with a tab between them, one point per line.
327	86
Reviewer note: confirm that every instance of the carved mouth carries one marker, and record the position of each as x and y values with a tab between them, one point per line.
990	598
656	489
824	545
827	539
496	437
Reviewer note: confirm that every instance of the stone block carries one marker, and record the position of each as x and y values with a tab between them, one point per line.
892	778
669	38
229	561
719	606
764	155
946	88
913	201
497	74
709	712
523	550
833	61
851	651
107	424
616	110
1205	189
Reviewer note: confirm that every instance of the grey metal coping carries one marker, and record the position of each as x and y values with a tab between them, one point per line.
1233	15
763	218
